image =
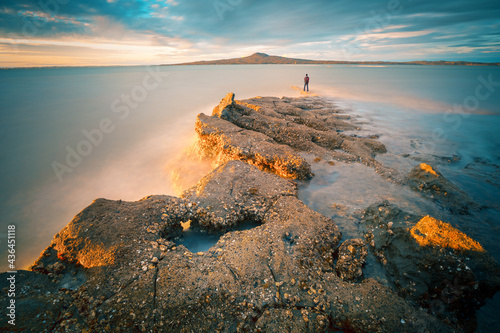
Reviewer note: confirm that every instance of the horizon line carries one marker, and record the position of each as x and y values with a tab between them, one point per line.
333	62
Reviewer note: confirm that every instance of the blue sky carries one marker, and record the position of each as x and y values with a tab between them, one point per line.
127	32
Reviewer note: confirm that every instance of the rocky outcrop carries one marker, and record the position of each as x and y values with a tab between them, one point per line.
128	275
431	262
119	266
308	126
431	183
270	133
225	141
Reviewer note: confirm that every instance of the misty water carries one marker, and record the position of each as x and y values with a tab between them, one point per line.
136	122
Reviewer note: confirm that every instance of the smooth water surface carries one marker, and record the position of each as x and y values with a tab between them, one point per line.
131	123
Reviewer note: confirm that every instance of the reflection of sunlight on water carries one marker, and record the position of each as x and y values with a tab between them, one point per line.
345	189
398	99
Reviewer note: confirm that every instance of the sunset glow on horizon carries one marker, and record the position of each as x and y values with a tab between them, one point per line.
126	32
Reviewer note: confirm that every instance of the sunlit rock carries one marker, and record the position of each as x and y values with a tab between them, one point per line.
313	130
431	232
226	141
429	261
430	182
116	267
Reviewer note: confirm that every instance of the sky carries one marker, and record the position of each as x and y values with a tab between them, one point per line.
136	32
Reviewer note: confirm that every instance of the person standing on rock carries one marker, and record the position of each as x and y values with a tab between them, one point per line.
306	83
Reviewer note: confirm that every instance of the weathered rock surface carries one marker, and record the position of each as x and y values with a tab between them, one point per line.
433	263
308	125
40	302
432	183
352	257
115	266
226	141
261	131
278	275
233	193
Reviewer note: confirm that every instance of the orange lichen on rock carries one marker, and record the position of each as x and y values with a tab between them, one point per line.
432	232
428	168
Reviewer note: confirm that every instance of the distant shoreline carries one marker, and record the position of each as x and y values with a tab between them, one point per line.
381	63
367	64
264	59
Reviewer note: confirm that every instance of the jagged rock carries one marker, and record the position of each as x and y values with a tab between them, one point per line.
235	192
226	141
312	130
352	257
108	244
310	125
427	180
433	263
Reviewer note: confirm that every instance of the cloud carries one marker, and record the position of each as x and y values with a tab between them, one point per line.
321	29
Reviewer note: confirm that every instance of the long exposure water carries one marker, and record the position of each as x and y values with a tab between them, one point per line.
71	135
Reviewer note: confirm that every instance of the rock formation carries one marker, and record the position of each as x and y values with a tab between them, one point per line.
233	193
432	262
115	267
120	267
432	183
310	126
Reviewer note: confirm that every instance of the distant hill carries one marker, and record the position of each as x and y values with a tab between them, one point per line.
256	58
264	59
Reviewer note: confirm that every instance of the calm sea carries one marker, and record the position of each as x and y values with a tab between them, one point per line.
70	135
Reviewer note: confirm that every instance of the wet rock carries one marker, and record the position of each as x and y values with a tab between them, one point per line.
430	261
430	182
285	264
38	302
351	258
249	271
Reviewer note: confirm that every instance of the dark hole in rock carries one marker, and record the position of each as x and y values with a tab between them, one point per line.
197	240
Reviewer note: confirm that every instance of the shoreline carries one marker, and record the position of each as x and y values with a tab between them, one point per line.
326	63
283	272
